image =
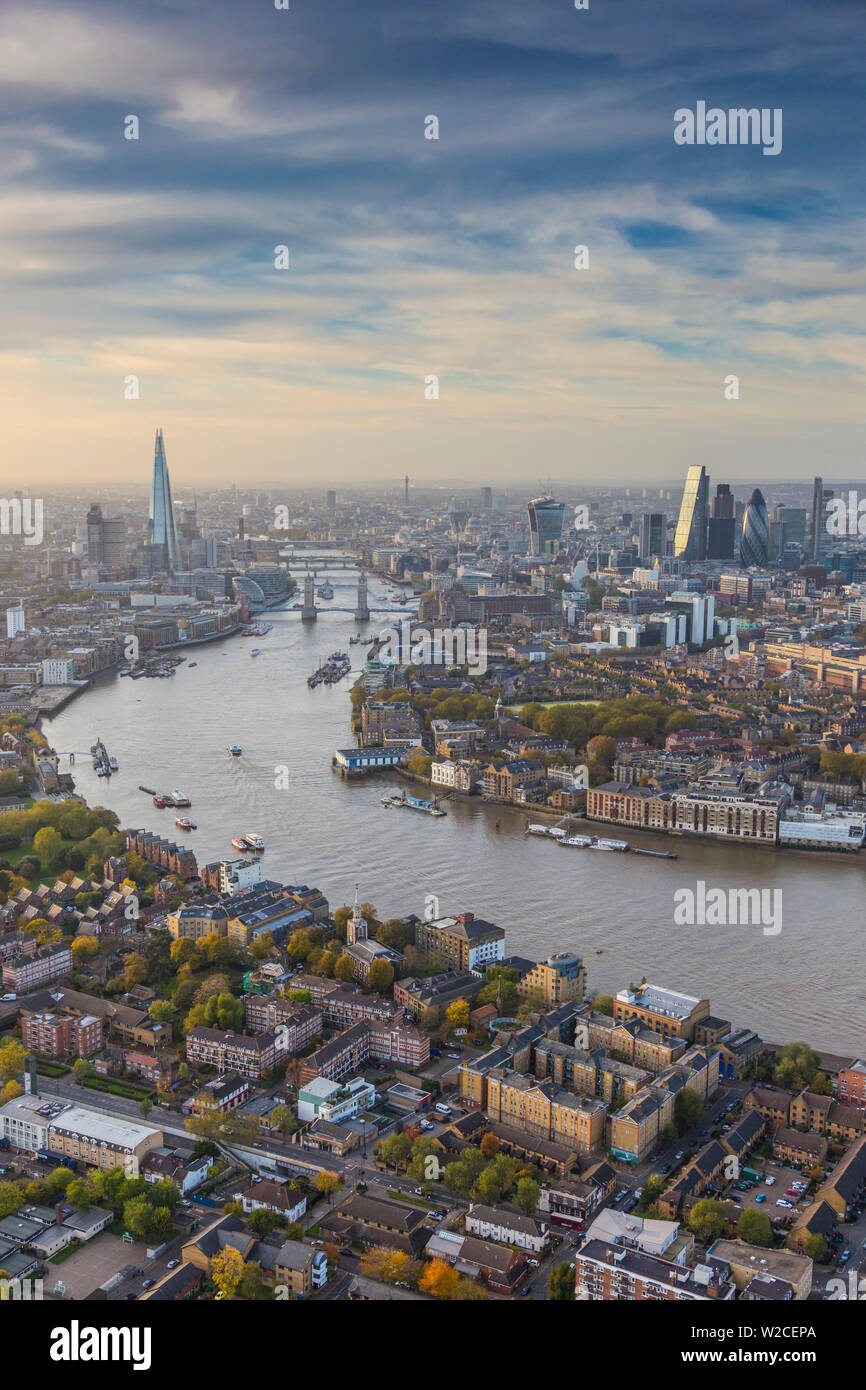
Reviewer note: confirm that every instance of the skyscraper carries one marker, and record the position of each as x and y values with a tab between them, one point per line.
161	529
720	532
817	523
755	537
690	541
546	519
652	535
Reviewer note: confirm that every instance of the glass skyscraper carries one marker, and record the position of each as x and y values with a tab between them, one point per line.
546	520
755	537
161	528
690	541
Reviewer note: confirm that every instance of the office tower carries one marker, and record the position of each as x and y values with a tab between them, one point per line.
106	539
817	522
652	535
406	489
721	529
331	499
161	529
755	537
546	520
690	542
787	530
486	498
14	620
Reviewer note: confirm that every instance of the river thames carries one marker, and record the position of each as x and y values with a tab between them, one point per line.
616	909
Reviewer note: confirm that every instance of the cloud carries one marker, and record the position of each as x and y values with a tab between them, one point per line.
411	256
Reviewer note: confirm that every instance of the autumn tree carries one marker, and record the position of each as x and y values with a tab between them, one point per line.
440	1280
227	1267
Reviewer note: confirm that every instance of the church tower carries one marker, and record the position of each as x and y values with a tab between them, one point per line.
356	927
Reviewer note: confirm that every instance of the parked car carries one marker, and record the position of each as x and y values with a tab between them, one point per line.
769	1181
148	1283
761	1197
783	1202
173	1264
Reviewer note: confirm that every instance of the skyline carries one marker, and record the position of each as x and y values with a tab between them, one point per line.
411	257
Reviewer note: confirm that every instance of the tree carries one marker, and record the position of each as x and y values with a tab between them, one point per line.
601	750
283	1121
84	948
82	1069
12	1057
797	1067
490	1145
560	1284
11	1091
440	1280
527	1195
262	1221
381	975
47	844
688	1109
457	1014
162	1011
395	1149
227	1267
755	1227
344	968
489	1186
603	1004
327	1184
420	764
707	1219
815	1247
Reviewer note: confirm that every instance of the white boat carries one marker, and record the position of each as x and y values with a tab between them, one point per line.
610	844
576	841
235	750
254	841
538	830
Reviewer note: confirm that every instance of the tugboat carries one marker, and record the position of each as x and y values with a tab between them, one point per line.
183	822
179	799
239	843
235	750
159	801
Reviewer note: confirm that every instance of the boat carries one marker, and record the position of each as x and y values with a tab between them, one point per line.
254	841
238	843
576	841
609	844
113	764
325	591
656	853
235	750
159	801
191	664
179	799
183	822
256	651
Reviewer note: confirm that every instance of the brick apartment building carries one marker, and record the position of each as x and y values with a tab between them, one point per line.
253	1056
61	1034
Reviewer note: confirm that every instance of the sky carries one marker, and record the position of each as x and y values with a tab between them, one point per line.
412	258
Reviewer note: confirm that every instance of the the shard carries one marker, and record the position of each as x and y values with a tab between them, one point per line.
161	529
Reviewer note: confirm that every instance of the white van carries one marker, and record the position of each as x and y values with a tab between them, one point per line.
442	1109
